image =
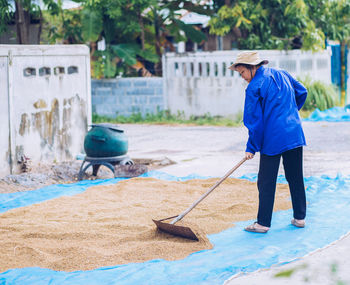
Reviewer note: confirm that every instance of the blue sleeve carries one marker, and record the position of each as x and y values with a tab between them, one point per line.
299	90
253	120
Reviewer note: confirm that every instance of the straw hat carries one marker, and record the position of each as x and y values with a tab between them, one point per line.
248	57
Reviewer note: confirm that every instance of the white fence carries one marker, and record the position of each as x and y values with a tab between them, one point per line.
46	102
201	83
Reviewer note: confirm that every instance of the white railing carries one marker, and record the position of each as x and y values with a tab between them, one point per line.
215	64
200	83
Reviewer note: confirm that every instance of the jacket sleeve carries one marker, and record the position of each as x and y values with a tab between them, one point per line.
299	90
253	120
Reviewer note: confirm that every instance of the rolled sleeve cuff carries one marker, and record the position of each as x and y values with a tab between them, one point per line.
250	149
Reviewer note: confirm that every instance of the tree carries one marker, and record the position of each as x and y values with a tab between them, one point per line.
26	11
283	24
333	17
121	25
5	15
64	27
135	32
165	18
273	24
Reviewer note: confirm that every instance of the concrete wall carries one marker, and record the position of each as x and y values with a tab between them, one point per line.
199	96
198	83
49	103
4	118
125	96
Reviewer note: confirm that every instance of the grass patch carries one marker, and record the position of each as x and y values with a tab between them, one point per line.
320	95
165	117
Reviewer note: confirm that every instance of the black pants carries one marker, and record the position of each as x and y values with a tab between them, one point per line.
267	177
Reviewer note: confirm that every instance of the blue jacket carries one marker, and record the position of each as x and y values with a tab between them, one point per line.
273	98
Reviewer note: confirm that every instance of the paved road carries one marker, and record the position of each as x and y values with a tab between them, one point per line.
212	151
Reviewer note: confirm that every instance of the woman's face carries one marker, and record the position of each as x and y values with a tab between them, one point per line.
246	74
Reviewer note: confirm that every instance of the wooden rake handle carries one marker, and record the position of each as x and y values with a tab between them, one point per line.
179	217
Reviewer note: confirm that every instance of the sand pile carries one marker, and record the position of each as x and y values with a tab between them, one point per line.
111	225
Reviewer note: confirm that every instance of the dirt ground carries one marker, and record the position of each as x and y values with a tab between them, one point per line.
40	174
205	150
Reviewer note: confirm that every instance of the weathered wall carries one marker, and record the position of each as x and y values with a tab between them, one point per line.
4	119
48	90
217	96
125	96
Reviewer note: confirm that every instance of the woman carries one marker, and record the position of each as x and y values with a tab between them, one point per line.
273	99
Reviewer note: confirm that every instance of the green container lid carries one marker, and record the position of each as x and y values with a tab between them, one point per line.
105	140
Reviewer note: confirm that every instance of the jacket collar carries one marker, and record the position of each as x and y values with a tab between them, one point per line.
258	72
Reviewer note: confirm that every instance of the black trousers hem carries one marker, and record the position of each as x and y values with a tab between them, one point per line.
267	179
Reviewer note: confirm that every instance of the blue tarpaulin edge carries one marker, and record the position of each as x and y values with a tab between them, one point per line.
335	114
234	250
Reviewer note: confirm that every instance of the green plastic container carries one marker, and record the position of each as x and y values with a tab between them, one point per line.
105	140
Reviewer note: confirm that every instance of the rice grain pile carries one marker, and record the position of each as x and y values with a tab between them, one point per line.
111	225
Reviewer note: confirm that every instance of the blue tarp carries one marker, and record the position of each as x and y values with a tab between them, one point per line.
234	249
335	114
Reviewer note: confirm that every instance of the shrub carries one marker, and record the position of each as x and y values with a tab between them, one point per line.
320	95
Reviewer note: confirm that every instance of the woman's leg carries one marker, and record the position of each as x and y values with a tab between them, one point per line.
267	177
293	168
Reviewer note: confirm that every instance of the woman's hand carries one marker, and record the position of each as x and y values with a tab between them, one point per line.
249	155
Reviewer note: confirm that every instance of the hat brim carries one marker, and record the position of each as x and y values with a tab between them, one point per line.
233	66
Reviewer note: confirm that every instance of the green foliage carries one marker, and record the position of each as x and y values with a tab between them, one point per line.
283	24
336	25
110	66
135	31
107	66
320	95
190	32
5	15
230	17
92	24
148	55
65	27
53	7
313	38
98	68
332	16
127	52
120	28
165	117
31	11
274	24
